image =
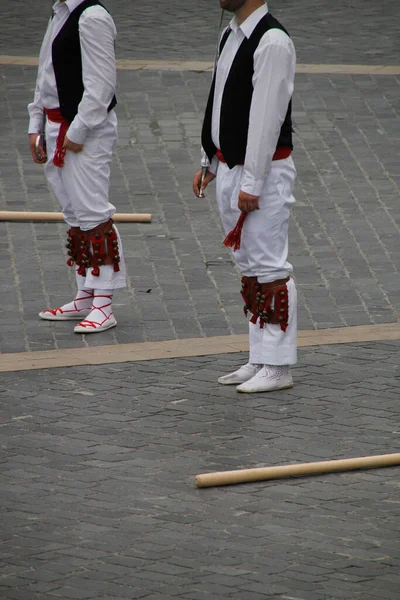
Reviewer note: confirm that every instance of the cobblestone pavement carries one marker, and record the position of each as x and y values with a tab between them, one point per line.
98	482
345	227
98	463
359	32
344	231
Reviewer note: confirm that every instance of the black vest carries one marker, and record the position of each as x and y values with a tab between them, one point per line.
236	100
67	63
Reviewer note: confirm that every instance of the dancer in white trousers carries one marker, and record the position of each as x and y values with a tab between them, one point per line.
247	146
75	93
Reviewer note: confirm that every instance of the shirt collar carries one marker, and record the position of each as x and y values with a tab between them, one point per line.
70	4
248	26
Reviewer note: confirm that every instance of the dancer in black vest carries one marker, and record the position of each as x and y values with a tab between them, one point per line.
247	146
75	89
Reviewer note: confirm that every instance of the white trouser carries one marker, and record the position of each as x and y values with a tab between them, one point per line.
82	189
263	251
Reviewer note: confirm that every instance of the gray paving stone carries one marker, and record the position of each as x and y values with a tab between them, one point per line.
344	230
118	516
97	477
181	31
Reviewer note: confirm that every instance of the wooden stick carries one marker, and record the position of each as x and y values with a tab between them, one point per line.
10	215
315	468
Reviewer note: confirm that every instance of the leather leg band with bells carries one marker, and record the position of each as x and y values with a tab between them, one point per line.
105	250
249	291
73	245
268	302
93	248
78	249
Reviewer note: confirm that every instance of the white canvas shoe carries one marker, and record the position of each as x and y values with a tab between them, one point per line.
243	374
268	379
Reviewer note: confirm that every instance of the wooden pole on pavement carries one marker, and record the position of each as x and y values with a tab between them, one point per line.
299	470
50	217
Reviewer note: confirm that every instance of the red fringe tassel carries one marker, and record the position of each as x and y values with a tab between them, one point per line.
60	152
232	240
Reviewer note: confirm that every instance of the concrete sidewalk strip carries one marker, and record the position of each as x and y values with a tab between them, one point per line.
207	66
146	351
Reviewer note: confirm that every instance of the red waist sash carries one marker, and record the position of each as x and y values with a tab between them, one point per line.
54	115
280	153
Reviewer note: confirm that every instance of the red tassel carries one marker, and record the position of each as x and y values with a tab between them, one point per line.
96	271
54	115
82	270
59	156
116	267
232	240
70	262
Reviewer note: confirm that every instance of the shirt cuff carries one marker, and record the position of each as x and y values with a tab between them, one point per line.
252	186
205	162
35	125
213	167
77	131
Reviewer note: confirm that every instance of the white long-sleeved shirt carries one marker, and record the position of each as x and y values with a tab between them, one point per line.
273	83
97	37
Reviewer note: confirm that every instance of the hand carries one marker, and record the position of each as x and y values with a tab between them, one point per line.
197	181
247	203
68	145
32	144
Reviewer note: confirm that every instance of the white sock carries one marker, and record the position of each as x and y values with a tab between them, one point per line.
101	307
276	371
82	302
